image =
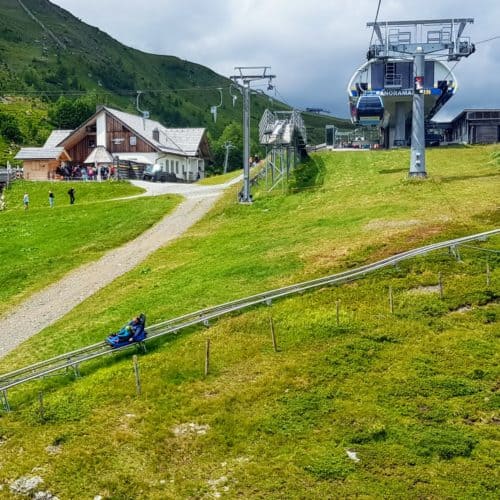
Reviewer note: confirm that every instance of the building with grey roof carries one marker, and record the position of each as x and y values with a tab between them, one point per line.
180	153
473	126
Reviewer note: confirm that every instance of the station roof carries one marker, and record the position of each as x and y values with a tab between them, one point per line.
470	110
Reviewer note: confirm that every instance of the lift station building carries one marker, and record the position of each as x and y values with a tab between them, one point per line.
389	71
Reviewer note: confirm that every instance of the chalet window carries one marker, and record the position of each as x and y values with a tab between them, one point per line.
91	142
133	140
156	135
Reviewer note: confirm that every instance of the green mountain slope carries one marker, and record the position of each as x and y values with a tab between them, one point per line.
414	393
48	51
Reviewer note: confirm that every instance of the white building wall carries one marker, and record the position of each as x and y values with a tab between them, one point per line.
138	157
184	168
101	129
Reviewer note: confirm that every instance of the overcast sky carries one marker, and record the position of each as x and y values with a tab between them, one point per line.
313	46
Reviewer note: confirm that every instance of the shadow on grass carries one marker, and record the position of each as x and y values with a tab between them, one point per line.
393	170
468	177
309	174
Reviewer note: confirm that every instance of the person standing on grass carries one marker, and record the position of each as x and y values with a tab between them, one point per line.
71	193
51	199
26	201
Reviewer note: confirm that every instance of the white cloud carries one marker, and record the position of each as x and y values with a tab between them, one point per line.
312	46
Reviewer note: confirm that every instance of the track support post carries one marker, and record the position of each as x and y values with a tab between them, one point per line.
5	401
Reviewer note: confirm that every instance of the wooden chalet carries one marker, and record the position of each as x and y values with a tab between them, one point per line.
182	152
40	164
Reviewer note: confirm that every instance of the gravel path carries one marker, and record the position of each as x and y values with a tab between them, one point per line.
49	305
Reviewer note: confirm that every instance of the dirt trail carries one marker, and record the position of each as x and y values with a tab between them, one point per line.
52	303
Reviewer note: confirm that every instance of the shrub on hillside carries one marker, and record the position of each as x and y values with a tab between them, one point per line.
446	443
9	128
70	113
330	466
308	174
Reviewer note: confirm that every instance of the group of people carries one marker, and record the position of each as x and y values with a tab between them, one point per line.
87	173
71	194
253	160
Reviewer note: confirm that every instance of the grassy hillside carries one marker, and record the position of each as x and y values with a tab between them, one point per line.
86	61
414	393
42	244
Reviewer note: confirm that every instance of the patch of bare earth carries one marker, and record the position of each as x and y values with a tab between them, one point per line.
423	290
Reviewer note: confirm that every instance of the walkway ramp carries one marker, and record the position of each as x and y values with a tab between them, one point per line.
282	128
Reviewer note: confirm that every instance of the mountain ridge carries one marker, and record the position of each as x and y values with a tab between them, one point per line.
46	52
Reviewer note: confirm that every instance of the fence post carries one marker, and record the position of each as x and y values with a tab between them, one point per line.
337	311
440	282
42	409
391	300
137	376
207	357
5	401
488	273
273	334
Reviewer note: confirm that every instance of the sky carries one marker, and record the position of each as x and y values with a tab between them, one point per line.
312	46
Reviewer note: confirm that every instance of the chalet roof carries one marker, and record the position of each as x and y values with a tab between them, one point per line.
99	155
55	137
182	141
463	112
39	153
49	151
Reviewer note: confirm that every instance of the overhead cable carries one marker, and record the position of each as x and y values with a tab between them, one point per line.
376	19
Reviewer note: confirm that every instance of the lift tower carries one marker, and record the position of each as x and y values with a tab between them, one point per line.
442	38
246	75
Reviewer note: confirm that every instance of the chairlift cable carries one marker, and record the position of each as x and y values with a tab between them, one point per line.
123	92
376	18
476	43
451	70
487	40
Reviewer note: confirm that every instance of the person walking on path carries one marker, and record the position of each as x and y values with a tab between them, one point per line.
26	201
71	193
51	199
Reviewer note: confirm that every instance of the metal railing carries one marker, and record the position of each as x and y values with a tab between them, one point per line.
8	175
72	360
393	81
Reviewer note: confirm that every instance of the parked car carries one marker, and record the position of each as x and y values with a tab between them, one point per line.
153	173
433	139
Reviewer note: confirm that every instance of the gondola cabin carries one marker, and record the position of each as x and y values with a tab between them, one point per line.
369	110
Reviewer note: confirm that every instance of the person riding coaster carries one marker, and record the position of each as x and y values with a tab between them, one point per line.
133	331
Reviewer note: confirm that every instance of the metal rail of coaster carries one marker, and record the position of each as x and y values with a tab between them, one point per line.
72	360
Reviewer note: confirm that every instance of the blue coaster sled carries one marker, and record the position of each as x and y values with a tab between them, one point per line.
133	331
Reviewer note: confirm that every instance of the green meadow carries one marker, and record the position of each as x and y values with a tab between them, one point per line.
39	245
368	403
220	179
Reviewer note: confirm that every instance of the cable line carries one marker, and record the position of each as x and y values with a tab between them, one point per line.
488	39
376	18
107	92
